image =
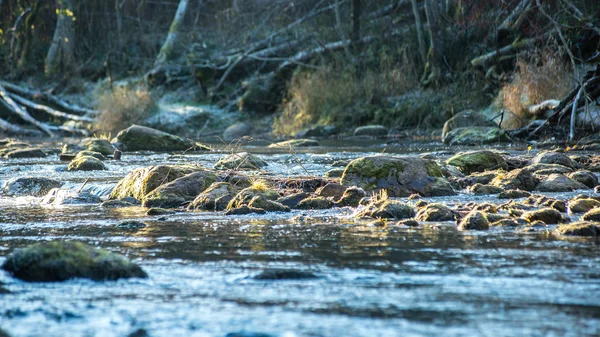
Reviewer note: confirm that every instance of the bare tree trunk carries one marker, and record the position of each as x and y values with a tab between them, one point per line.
435	55
356	12
419	28
167	49
61	54
24	58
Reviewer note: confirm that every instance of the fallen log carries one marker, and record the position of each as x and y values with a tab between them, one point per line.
16	109
17	130
53	112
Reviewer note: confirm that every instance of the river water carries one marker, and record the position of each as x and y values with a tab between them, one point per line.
370	281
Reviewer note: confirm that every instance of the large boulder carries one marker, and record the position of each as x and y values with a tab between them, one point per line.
180	190
559	183
518	179
60	261
475	136
400	176
240	161
477	161
141	138
467	118
34	186
141	181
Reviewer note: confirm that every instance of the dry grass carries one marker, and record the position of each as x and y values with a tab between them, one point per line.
543	76
336	95
123	107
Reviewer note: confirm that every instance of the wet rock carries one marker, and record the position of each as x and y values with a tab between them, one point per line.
477	161
159	211
475	136
584	177
295	143
214	198
141	181
260	201
180	190
284	274
518	179
236	131
592	215
341	163
72	148
240	161
247	194
139	333
582	205
239	181
421	204
371	131
559	205
26	153
34	186
409	223
86	163
116	204
101	146
513	194
131	224
548	216
486	207
141	138
333	190
475	220
479	189
387	209
578	229
317	131
334	173
315	203
86	153
293	200
248	334
483	178
493	217
552	157
60	261
548	169
400	176
509	223
463	119
243	210
435	212
559	183
59	196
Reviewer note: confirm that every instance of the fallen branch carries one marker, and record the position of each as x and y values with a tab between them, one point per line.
53	112
487	59
15	108
16	130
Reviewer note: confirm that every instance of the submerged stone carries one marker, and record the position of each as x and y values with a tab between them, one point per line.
60	261
131	224
477	161
295	143
34	186
59	196
548	216
116	204
141	138
435	212
284	274
579	229
243	210
475	220
399	176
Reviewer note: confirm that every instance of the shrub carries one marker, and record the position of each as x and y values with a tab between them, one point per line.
122	107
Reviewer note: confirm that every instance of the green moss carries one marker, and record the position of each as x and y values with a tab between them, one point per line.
367	168
433	169
86	163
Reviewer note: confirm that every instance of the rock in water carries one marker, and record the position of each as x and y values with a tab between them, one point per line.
371	130
141	138
214	198
59	196
60	261
35	186
579	229
475	220
240	161
102	146
559	183
295	143
26	153
174	193
236	131
552	157
466	118
400	176
475	136
141	181
477	161
86	163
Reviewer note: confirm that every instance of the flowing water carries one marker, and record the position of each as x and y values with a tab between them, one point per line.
370	281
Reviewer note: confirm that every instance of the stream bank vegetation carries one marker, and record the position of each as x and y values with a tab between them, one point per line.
526	65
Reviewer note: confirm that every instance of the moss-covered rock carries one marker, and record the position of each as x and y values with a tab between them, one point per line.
334	173
352	197
475	220
295	143
333	190
467	118
480	189
243	210
559	183
34	186
518	179
247	194
513	194
483	178
548	169
509	223
116	204
86	163
60	261
551	157
141	138
592	215
101	146
214	198
582	205
400	176
548	216
435	212
387	209
315	203
141	181
477	161
477	135
26	153
87	153
261	202
371	131
578	229
240	161
584	177
180	190
72	148
159	211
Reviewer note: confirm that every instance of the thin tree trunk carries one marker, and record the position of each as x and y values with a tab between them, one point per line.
356	12
419	28
61	54
24	58
167	49
435	55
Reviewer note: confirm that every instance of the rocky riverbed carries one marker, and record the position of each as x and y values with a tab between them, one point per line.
151	234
